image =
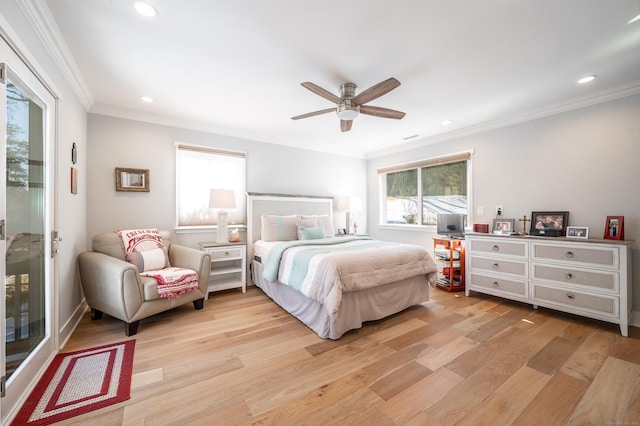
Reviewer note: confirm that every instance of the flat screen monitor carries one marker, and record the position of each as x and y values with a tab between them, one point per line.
450	224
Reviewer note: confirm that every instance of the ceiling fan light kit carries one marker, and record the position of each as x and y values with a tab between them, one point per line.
349	105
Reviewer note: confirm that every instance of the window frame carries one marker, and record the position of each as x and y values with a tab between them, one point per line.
429	162
241	199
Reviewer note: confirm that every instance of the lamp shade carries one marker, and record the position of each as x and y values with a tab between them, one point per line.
222	199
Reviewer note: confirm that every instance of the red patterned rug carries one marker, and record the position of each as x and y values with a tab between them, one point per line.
78	382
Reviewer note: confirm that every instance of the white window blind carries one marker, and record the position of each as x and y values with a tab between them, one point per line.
200	169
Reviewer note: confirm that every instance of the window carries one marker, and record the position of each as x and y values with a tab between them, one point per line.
200	169
413	194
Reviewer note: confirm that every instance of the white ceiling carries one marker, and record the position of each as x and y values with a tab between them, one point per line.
234	67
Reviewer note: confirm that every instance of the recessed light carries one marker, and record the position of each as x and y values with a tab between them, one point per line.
587	79
446	122
146	99
145	9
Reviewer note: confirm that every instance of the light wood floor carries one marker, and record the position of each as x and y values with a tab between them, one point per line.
453	360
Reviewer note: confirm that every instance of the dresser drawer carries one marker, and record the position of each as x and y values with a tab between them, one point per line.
596	257
499	265
600	304
225	253
592	279
498	285
498	247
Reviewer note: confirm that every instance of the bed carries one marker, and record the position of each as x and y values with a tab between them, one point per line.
331	284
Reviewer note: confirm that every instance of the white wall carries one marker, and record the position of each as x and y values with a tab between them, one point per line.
585	161
71	127
116	142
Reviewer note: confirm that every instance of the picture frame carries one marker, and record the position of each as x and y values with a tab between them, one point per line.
132	180
504	226
549	223
614	228
578	232
74	180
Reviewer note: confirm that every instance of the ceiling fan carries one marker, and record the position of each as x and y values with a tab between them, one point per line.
349	105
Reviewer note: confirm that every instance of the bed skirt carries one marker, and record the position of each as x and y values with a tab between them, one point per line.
356	308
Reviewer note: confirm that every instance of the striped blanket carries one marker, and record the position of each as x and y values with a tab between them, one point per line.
173	281
324	269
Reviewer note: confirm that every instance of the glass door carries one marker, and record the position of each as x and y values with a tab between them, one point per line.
26	215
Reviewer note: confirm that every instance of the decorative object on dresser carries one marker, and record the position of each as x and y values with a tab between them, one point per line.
222	199
132	180
482	228
591	278
614	228
228	266
449	257
578	232
549	224
524	221
504	226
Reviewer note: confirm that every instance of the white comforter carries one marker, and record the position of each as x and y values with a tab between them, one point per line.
324	269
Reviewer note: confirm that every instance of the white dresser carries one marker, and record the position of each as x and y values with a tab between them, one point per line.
591	278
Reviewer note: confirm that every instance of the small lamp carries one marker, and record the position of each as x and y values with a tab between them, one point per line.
355	205
222	199
342	204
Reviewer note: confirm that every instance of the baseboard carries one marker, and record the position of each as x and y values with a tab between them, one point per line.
67	330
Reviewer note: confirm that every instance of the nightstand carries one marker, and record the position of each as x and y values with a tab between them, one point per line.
228	266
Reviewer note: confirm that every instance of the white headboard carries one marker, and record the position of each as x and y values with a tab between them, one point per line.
280	204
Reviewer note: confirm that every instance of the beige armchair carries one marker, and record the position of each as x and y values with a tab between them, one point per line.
114	286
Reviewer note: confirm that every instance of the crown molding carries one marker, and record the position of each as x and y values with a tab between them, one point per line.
618	92
41	20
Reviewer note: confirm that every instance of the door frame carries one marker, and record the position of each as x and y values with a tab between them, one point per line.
20	385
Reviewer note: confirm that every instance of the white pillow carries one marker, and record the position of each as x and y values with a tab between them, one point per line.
279	228
149	260
323	220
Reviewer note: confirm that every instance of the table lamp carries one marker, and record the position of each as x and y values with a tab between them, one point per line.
222	199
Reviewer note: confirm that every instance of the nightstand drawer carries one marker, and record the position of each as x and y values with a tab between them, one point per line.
600	304
594	280
500	266
497	247
225	253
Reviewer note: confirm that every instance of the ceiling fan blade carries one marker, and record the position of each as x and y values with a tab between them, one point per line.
376	91
381	112
322	92
311	114
345	125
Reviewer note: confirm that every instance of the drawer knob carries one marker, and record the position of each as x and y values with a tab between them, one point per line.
495	284
495	266
569	254
569	275
570	295
496	248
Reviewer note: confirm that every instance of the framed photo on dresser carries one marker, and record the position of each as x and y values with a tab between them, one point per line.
614	228
549	224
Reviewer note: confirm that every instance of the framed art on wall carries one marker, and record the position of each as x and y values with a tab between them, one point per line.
74	180
614	228
133	180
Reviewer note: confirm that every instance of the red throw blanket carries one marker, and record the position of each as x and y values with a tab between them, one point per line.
172	282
